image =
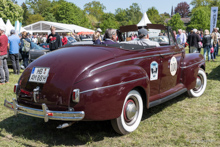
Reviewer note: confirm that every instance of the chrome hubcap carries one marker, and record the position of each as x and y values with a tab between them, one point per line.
131	110
198	83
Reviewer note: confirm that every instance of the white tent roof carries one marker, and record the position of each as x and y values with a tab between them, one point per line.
144	21
44	26
9	27
2	22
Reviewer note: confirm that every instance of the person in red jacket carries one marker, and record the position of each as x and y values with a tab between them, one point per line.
64	39
4	74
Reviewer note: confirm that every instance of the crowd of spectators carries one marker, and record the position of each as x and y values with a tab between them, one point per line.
197	39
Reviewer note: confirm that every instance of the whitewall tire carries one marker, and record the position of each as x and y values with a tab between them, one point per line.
201	83
131	114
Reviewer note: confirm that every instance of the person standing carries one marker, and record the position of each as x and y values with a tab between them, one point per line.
13	43
53	39
64	39
181	38
25	48
215	42
4	74
35	39
207	44
193	40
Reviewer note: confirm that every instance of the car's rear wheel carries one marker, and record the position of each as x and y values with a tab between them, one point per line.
201	83
131	114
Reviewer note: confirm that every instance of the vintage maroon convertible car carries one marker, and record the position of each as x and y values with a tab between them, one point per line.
108	82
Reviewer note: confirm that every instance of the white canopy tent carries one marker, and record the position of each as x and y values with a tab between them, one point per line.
44	26
144	21
9	27
2	22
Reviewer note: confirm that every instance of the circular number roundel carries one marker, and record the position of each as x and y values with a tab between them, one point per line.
173	66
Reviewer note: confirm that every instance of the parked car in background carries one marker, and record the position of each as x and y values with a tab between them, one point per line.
36	51
114	82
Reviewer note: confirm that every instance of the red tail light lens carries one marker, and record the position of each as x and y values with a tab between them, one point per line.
15	88
76	95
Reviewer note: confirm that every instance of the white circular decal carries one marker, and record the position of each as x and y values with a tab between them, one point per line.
173	66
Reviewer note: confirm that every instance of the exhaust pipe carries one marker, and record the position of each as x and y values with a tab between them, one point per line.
65	125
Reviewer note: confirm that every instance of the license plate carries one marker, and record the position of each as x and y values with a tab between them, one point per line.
39	75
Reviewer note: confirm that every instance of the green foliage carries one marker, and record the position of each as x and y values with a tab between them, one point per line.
39	6
34	18
134	13
25	14
108	21
66	12
48	16
95	8
200	18
153	15
163	17
129	16
176	22
11	11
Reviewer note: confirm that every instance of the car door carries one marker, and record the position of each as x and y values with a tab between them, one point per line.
171	57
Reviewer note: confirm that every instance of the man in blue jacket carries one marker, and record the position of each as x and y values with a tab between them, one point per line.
13	43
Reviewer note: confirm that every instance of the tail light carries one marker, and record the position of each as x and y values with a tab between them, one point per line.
15	88
76	95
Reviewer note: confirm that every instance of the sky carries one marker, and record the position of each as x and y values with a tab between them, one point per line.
161	5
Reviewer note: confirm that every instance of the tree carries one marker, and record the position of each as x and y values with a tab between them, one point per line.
66	12
183	9
25	14
39	6
48	16
176	22
200	18
198	3
121	16
108	21
134	13
163	17
34	18
11	11
95	8
153	15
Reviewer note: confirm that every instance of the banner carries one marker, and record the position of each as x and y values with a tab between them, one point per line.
214	16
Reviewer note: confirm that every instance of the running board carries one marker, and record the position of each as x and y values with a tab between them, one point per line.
167	98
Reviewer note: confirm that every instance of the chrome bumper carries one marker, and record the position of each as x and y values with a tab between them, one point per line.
45	112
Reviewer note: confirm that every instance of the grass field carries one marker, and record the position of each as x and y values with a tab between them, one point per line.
182	121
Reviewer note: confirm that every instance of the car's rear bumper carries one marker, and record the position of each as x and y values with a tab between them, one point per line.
45	112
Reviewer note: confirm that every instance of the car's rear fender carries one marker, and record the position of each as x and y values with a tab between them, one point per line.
190	67
102	95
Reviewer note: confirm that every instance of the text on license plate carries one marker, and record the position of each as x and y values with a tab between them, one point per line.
39	74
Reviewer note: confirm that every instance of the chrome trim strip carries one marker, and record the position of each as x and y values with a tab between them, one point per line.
192	64
133	59
113	85
45	112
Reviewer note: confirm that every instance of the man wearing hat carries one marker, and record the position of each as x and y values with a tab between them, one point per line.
13	43
144	39
4	74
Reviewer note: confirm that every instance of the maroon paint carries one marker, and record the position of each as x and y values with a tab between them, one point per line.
73	67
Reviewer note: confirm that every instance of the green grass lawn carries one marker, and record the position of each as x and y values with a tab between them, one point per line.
182	121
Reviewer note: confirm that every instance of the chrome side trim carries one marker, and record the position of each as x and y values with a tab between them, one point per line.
192	64
98	88
133	59
45	112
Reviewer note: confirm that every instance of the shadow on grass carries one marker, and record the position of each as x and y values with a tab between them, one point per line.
80	133
215	74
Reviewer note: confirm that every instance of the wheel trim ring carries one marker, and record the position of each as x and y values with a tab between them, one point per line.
197	90
134	100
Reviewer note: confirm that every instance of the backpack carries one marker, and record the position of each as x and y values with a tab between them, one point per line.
27	46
